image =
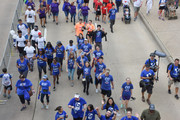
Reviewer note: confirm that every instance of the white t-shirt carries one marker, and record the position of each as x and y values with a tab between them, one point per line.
34	34
21	41
23	28
137	3
40	42
126	2
6	79
162	2
30	16
29	51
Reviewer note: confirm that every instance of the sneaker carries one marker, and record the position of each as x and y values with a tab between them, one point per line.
72	84
23	108
148	101
87	93
96	90
78	77
53	20
169	91
84	90
125	111
9	96
111	31
4	94
28	102
143	99
135	18
56	23
122	106
43	106
176	96
54	88
57	82
47	107
163	19
69	78
159	17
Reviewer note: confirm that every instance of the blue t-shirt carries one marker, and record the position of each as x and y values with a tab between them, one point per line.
66	6
71	49
110	108
86	47
98	54
78	60
45	86
80	42
175	72
112	14
80	2
98	37
49	2
90	115
106	82
23	65
49	52
60	51
132	118
78	106
127	89
70	63
99	68
23	85
84	10
86	71
152	63
147	74
41	62
103	117
58	115
55	68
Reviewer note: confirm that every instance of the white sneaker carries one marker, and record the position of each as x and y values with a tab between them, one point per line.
96	90
43	106
47	107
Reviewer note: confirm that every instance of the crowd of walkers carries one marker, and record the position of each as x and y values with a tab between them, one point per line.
32	46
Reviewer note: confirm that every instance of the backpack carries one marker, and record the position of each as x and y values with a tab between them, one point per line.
172	66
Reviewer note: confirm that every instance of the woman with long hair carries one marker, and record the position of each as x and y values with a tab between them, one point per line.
49	50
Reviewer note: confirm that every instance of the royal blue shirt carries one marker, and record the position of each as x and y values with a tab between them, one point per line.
70	63
58	115
49	2
41	62
23	85
78	107
103	117
49	52
90	115
86	71
110	108
60	51
127	89
80	42
66	6
99	68
23	65
86	47
112	14
45	86
98	37
152	63
78	60
174	72
145	73
98	54
55	68
132	118
106	82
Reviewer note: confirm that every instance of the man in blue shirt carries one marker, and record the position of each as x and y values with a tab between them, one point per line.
148	78
87	49
174	77
106	82
112	15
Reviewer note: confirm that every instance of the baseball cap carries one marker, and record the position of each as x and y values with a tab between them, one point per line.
147	65
29	7
45	77
151	107
58	42
152	54
85	39
76	95
39	33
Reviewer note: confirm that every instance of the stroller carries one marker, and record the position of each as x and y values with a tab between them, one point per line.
126	14
170	10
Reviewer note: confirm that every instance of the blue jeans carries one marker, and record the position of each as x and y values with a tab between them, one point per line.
118	4
66	13
85	19
71	73
73	15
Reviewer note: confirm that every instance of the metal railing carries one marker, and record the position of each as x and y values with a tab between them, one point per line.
5	59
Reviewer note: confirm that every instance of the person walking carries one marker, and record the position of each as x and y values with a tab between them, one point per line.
118	4
137	5
112	16
66	9
24	28
48	7
23	84
22	64
87	49
34	35
98	6
20	42
79	5
90	29
77	106
149	4
56	72
129	115
30	3
104	12
61	114
162	7
71	49
30	53
70	68
55	10
96	55
44	90
90	113
80	41
30	17
42	15
79	28
107	115
41	62
150	114
49	51
40	41
6	82
84	11
73	12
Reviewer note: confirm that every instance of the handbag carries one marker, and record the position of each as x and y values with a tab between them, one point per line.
142	83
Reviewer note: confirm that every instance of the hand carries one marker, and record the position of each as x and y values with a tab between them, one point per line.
64	58
102	102
115	112
15	91
66	70
171	78
18	66
120	96
83	110
72	107
97	108
80	67
112	87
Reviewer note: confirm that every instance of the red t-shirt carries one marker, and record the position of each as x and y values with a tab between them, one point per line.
104	9
95	1
98	4
105	1
109	6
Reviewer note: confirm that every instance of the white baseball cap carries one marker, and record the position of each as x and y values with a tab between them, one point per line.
76	95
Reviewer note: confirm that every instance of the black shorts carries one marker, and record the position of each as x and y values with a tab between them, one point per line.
97	81
90	34
42	17
86	1
106	92
98	12
148	88
8	87
104	14
162	8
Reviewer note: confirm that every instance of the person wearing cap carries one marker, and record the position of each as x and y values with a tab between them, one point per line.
77	106
79	64
152	62
107	115
30	17
106	83
98	35
71	49
100	69
34	35
42	15
150	114
20	42
90	29
41	62
61	114
24	28
129	115
21	85
87	49
79	28
44	90
147	75
55	10
112	16
22	64
40	41
60	53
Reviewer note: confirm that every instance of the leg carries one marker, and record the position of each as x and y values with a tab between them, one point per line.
40	72
21	97
57	79
84	84
87	90
69	73
54	80
44	69
4	92
44	21
25	73
41	22
72	74
42	98
47	98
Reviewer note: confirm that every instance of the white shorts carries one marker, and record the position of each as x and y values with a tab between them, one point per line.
176	84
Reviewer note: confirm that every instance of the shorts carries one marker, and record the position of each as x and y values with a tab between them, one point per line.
176	84
90	34
86	1
148	88
162	8
136	9
8	87
97	81
42	17
106	92
126	97
55	14
104	13
66	13
55	73
98	12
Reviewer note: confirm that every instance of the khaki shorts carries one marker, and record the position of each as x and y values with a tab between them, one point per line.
176	84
